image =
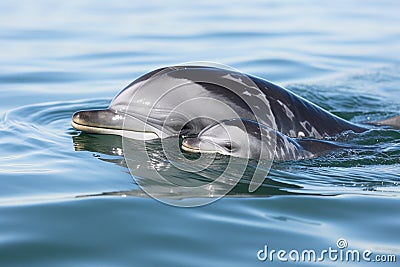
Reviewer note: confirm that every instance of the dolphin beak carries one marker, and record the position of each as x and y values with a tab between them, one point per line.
198	146
191	145
107	121
97	121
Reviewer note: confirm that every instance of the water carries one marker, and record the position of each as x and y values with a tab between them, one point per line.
67	198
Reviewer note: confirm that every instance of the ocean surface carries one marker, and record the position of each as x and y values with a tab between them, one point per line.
68	199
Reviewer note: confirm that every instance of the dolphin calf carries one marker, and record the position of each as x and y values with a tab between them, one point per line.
184	100
248	139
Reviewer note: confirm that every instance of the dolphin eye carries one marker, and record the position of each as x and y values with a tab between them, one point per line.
228	146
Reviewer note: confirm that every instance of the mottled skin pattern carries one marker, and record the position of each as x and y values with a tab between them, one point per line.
297	117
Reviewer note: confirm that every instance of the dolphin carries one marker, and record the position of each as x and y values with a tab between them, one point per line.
248	139
184	100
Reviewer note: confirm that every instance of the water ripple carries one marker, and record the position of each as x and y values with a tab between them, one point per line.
33	134
41	77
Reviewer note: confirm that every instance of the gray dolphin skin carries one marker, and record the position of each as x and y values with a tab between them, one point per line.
146	108
243	139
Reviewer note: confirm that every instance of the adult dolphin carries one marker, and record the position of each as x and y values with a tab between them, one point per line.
174	101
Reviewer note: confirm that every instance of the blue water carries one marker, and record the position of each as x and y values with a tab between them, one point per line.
67	198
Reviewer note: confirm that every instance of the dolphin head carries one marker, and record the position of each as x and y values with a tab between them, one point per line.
116	119
180	100
236	137
142	110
